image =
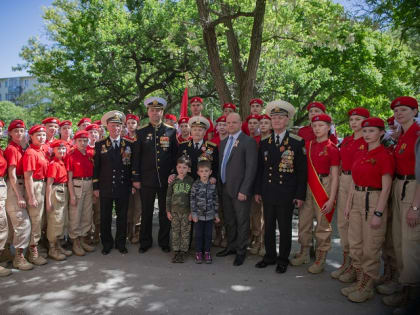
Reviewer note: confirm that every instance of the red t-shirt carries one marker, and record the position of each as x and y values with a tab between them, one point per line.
349	148
3	164
80	164
404	154
57	170
307	134
370	166
324	155
13	154
34	160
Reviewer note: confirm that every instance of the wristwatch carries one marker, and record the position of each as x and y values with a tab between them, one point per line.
378	213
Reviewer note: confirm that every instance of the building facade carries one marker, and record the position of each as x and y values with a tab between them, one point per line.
12	88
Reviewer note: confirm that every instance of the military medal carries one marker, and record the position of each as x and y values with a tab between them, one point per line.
402	148
164	142
103	149
126	156
282	148
149	137
236	143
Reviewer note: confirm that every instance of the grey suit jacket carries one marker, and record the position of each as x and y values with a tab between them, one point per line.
241	167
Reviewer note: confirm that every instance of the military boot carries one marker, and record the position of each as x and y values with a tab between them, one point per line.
4	272
318	265
77	248
349	275
62	250
392	286
34	257
86	247
347	290
6	256
346	263
301	258
365	290
20	262
136	236
54	252
397	299
387	275
96	238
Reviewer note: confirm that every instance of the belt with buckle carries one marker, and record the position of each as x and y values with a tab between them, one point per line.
366	188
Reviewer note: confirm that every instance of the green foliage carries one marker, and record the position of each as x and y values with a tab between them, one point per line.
9	111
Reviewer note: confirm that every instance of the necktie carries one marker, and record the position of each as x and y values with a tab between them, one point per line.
277	140
115	144
226	158
196	146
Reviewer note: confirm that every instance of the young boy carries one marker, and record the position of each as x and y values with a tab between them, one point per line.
204	204
178	209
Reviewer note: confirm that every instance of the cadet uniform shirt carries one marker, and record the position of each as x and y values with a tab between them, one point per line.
13	155
324	155
307	133
3	164
80	164
370	166
34	160
178	195
404	151
349	148
57	170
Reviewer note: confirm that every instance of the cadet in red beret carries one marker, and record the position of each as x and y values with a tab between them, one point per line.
57	200
170	119
367	210
66	132
228	108
102	131
184	128
323	162
306	132
15	202
196	107
253	123
51	126
256	105
35	165
405	214
79	164
221	130
265	126
83	123
349	148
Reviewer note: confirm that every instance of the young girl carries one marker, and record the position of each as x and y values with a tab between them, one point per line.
367	211
348	149
35	165
16	203
323	161
56	199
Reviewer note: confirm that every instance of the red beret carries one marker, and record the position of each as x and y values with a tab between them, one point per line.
196	99
322	117
1	123
391	121
359	111
58	143
17	123
92	127
81	134
221	119
316	104
256	100
37	128
132	116
98	122
83	120
405	101
183	120
373	122
229	105
171	117
257	117
265	116
66	122
51	120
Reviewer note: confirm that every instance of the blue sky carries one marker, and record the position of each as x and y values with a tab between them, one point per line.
22	19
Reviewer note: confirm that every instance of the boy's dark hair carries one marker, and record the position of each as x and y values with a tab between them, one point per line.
203	163
184	160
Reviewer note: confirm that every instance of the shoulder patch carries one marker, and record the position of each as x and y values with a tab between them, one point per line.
211	143
296	137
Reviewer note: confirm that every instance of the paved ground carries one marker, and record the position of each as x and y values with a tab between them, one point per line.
149	283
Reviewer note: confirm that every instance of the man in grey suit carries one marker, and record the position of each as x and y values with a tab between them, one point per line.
238	167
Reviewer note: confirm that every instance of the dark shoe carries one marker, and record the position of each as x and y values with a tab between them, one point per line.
225	252
123	250
106	250
207	258
281	268
175	258
165	249
142	250
239	260
263	264
198	257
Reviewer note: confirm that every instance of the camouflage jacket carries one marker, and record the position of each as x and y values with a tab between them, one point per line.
204	201
178	195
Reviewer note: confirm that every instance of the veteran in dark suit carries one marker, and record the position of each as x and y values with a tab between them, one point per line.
153	161
280	183
112	180
238	166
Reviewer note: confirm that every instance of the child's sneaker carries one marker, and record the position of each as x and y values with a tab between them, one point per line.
207	257
181	257
198	257
175	258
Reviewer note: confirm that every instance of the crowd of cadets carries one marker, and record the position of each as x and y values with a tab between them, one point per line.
368	178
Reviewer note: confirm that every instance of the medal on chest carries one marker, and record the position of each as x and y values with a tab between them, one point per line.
126	155
286	163
164	142
402	148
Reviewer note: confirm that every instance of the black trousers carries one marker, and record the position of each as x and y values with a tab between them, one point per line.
236	214
203	235
282	214
121	207
148	195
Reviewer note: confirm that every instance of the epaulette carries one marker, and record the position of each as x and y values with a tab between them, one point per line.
169	126
265	137
296	137
184	141
140	128
211	143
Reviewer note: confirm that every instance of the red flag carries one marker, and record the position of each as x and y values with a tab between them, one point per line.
184	104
